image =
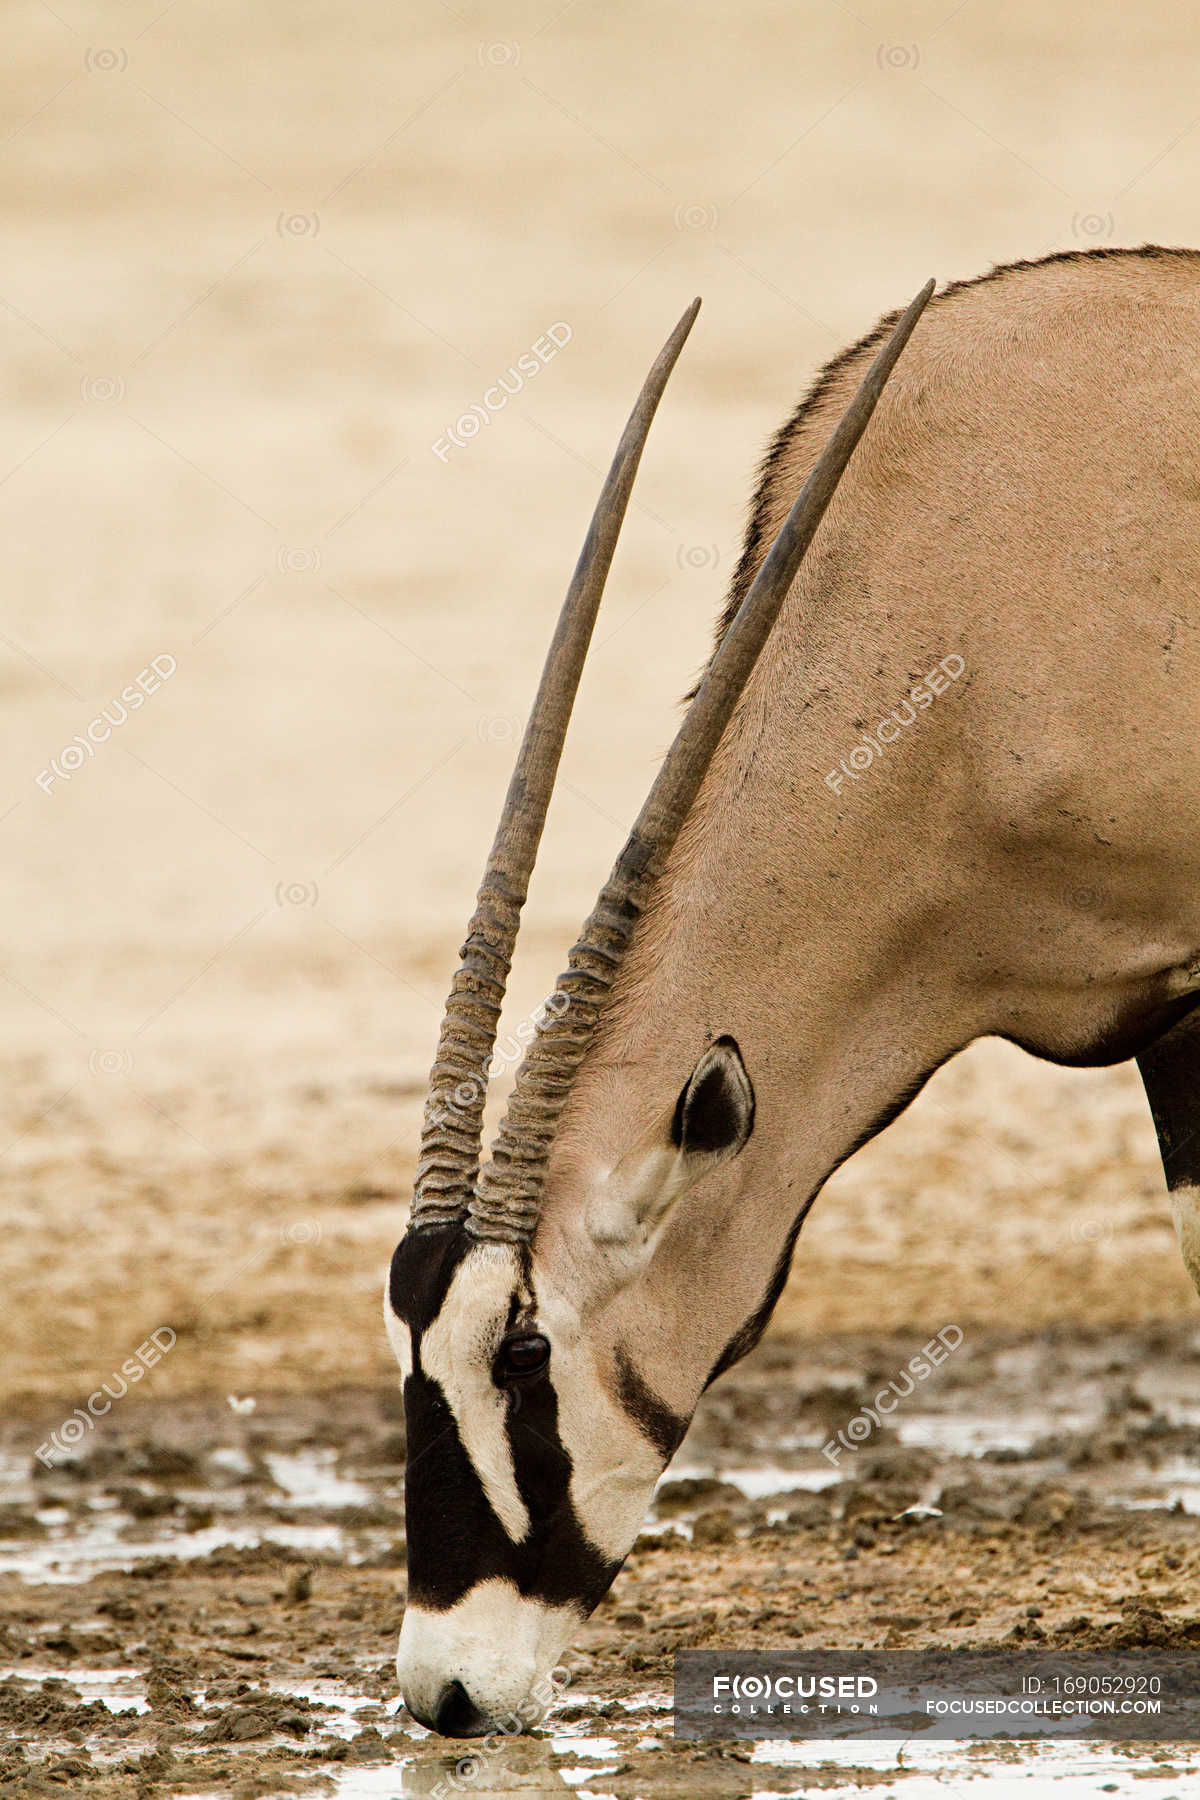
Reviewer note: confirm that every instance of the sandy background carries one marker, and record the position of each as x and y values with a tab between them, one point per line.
254	262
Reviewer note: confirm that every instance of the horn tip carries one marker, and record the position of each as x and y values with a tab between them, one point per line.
688	319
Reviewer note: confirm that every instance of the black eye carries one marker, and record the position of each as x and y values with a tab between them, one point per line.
521	1357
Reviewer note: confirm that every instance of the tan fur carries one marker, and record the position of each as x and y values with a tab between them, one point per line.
1024	859
1017	540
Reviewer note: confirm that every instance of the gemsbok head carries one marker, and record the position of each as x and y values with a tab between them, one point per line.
546	1381
938	782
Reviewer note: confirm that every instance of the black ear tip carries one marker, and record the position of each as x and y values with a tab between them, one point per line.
715	1110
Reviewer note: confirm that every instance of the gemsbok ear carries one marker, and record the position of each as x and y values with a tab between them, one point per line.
714	1114
709	1123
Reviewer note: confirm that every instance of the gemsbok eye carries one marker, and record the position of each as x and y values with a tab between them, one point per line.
521	1357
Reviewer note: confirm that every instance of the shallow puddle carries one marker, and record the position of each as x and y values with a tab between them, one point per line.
121	1690
792	1772
234	1592
72	1552
758	1483
1035	1771
311	1478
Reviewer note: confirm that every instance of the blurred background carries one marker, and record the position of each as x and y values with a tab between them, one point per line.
259	266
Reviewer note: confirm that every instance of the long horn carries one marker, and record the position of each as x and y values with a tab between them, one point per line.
510	1186
450	1134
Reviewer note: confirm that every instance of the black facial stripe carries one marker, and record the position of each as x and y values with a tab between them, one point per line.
455	1539
652	1416
885	1117
423	1266
748	1334
563	1563
447	1515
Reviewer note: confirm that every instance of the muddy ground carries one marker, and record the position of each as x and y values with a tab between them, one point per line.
255	261
205	1601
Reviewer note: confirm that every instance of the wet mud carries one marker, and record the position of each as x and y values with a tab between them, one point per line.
205	1602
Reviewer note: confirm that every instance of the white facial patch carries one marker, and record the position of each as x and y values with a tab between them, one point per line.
501	1647
457	1352
613	1466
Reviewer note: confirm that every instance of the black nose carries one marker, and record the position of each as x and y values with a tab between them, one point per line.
457	1714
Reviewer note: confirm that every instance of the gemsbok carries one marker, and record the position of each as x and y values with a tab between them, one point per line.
938	782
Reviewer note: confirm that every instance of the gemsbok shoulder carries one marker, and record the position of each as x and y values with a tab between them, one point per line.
939	781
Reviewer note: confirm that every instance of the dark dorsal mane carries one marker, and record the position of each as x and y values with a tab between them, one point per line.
759	534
